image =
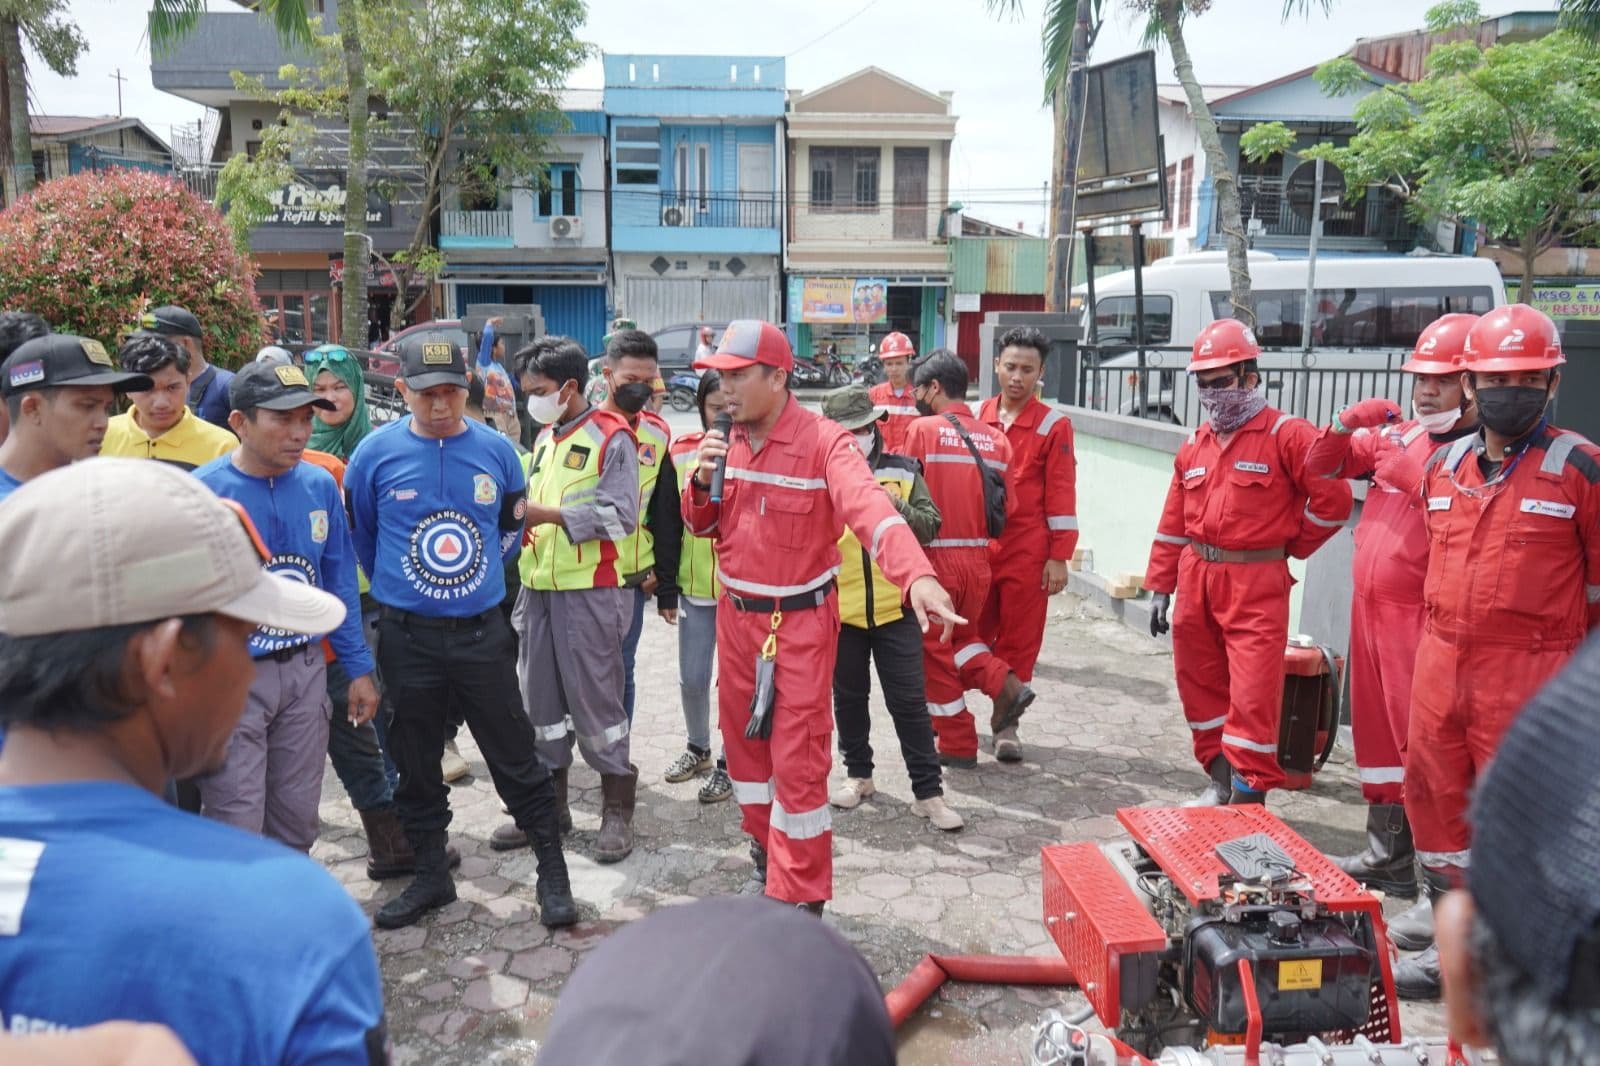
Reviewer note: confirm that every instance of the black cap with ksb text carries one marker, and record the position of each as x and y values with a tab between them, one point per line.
430	359
63	359
273	387
171	321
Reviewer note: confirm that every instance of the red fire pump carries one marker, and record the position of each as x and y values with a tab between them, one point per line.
1210	928
1219	925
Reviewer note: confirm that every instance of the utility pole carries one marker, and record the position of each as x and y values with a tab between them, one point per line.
119	79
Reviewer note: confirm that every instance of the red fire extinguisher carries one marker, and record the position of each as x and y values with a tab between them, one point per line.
1309	724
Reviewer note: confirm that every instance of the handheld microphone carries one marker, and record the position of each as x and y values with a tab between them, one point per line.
723	425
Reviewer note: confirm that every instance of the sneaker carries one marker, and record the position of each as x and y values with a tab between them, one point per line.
959	762
717	788
938	813
690	764
1006	746
453	766
848	796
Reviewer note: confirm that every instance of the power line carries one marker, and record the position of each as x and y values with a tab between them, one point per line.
869	4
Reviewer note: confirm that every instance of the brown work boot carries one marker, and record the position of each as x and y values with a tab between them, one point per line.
389	853
1013	699
617	794
508	838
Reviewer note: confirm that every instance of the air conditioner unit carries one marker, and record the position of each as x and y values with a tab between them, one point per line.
677	215
566	227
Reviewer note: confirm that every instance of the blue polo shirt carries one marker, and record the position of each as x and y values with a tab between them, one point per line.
435	520
300	516
208	395
8	485
121	907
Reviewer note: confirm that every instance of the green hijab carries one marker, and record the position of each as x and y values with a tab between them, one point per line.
342	439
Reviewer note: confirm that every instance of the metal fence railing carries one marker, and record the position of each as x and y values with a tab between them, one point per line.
737	212
1314	385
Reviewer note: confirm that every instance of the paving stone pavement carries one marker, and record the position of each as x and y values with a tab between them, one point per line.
477	981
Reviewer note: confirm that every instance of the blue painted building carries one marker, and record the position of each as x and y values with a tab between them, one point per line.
542	241
697	191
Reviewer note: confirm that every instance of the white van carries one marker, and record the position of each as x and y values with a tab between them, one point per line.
1366	314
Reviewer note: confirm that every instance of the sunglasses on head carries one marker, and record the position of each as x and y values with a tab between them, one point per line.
329	355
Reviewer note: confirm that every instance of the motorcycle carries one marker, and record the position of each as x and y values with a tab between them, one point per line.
870	371
829	372
682	390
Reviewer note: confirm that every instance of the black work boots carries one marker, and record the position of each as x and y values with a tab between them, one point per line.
554	891
430	889
1220	790
1389	863
1417	976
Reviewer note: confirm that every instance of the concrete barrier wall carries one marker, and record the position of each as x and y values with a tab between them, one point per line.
1124	469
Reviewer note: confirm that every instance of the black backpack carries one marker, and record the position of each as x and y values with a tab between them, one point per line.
994	485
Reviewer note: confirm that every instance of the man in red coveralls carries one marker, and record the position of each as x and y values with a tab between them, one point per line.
1029	561
960	555
793	480
1241	504
1513	586
1368	441
894	395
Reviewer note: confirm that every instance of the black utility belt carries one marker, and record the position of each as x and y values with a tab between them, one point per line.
798	602
423	621
286	655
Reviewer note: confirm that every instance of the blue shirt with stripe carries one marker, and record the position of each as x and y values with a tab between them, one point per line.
434	520
301	518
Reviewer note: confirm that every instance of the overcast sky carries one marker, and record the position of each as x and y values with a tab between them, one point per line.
1002	148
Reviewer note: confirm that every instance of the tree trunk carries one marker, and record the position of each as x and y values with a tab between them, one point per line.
1069	138
22	176
1530	252
353	321
1230	218
1059	238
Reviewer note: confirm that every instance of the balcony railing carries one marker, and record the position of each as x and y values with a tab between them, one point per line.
733	212
475	224
201	180
1379	215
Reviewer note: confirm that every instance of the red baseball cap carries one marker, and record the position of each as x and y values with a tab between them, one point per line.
748	342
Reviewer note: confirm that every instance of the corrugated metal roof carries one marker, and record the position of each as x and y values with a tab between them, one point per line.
998	264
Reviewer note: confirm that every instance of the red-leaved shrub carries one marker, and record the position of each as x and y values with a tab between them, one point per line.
91	252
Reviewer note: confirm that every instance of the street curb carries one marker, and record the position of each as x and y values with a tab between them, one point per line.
1135	613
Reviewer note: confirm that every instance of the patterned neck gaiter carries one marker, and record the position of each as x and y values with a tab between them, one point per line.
1231	408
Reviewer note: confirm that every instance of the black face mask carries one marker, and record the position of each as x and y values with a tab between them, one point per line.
924	408
1511	410
633	396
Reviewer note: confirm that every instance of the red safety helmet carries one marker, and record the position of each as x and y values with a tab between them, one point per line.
1223	343
897	346
1439	347
1513	337
748	342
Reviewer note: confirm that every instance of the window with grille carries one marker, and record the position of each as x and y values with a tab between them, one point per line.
844	179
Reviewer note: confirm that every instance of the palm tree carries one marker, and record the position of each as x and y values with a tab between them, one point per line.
172	20
1582	17
1069	32
1165	25
56	40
